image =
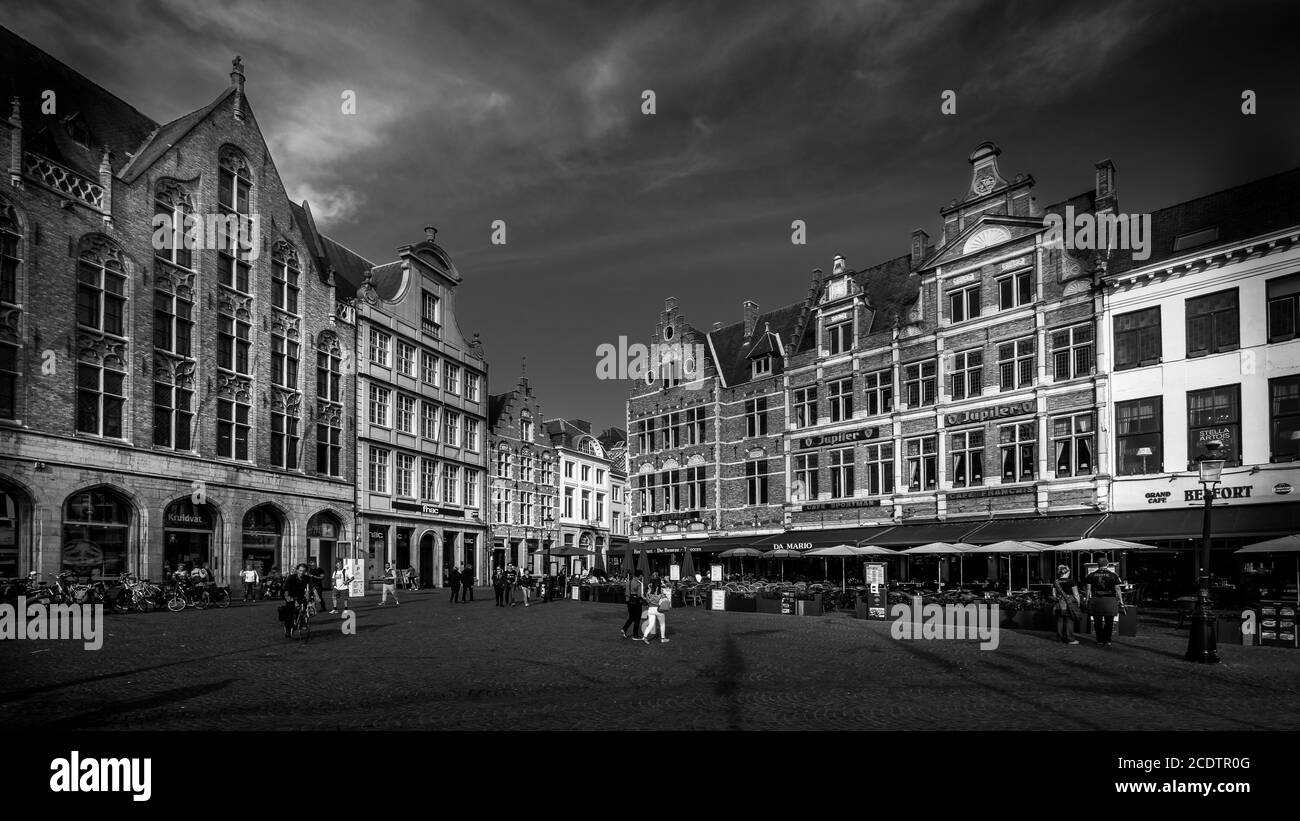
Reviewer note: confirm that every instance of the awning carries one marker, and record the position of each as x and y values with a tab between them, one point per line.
1186	523
804	540
1035	528
919	534
693	545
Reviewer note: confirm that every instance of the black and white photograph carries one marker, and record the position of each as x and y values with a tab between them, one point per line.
380	375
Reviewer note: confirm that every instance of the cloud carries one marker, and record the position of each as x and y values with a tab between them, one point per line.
333	205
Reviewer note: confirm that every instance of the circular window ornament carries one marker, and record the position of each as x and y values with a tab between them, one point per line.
668	333
689	367
983	239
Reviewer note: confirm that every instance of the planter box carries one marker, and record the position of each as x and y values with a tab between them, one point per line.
737	603
809	607
1030	620
765	605
584	594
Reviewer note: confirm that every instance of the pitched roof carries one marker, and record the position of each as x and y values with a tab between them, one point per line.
732	346
26	72
163	138
1222	218
349	267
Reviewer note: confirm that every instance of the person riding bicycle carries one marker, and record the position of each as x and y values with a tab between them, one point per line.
298	590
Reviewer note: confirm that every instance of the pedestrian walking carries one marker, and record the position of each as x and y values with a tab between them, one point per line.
654	614
251	579
1104	600
512	583
499	586
316	574
342	583
635	599
453	581
390	584
1066	607
525	584
467	582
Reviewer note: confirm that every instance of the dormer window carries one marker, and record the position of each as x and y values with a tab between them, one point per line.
77	129
762	366
839	336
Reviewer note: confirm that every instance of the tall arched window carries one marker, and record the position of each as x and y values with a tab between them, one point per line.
329	405
172	204
11	515
101	313
96	529
234	191
285	272
10	313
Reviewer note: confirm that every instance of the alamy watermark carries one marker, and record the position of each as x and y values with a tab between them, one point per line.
672	363
77	774
930	622
209	232
1088	231
61	622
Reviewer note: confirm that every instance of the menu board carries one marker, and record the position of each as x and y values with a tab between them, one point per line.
715	572
356	568
877	595
675	573
718	599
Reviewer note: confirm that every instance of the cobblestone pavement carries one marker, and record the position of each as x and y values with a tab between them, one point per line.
429	664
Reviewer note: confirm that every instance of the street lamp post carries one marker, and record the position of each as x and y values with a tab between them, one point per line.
1202	645
548	522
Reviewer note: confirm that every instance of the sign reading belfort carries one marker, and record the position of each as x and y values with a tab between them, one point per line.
1240	488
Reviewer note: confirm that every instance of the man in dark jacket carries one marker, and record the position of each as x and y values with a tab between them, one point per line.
454	582
467	582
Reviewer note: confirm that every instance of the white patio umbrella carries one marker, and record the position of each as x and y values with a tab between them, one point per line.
943	549
782	553
845	551
1008	547
741	552
1284	544
1098	545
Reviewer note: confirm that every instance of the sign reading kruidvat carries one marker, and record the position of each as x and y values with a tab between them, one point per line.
984	414
827	439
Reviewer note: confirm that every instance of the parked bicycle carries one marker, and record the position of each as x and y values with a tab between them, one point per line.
197	596
137	595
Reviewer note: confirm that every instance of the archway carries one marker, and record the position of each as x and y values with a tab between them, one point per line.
15	517
187	535
323	533
428	550
263	538
96	533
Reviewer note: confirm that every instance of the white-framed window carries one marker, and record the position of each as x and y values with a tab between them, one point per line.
919	383
964	303
377	475
967	373
568	469
450	483
839	337
967	452
429	421
756	482
879	465
922	463
472	386
756	417
430	312
428	480
404	475
451	428
380	347
1016	289
762	366
526	429
451	377
379	403
1072	352
526	466
879	388
428	369
405	413
805	477
694	425
1016	364
586	473
805	407
600	476
586	505
841	469
471	488
405	358
840	395
1074	444
600	506
285	275
471	434
503	463
1018	444
568	503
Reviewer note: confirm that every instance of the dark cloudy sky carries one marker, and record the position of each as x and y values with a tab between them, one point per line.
768	112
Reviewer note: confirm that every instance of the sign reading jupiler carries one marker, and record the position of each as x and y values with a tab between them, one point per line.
838	438
984	414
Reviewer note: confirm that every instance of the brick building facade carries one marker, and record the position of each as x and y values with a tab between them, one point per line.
524	480
157	404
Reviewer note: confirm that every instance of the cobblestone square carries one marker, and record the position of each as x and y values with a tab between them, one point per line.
429	664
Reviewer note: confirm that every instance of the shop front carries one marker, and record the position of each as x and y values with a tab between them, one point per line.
323	533
187	536
96	534
262	540
10	519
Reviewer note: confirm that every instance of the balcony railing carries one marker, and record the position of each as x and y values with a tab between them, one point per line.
63	180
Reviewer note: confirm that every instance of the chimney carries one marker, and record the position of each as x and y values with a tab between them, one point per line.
670	304
430	233
751	317
106	181
839	265
237	80
920	241
1107	197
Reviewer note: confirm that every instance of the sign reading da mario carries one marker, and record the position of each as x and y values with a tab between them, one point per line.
984	414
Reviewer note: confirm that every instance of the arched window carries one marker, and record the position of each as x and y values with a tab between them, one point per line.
96	529
10	242
329	393
234	192
285	271
187	535
263	536
11	514
172	204
323	532
101	310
